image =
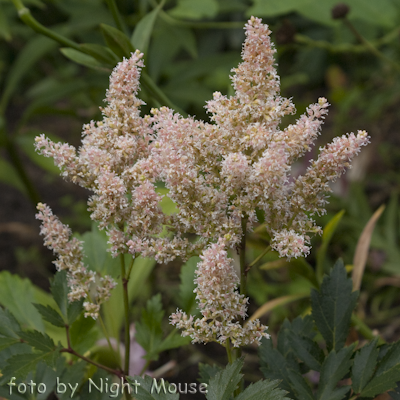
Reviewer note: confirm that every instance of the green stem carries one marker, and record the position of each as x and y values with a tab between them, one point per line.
370	46
26	16
116	352
144	368
364	329
229	351
125	280
156	92
266	250
70	350
116	15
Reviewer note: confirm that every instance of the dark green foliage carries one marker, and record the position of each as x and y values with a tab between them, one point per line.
298	350
333	305
149	331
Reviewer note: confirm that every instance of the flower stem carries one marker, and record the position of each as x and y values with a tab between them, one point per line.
228	350
242	256
125	280
267	249
70	350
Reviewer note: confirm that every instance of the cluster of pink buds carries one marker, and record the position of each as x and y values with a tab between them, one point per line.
217	175
220	304
83	282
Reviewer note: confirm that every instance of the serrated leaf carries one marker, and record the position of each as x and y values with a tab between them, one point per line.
21	364
148	388
274	365
82	58
307	350
84	334
334	368
262	390
49	314
40	341
222	385
172	341
116	41
6	342
329	230
387	373
187	286
59	290
364	365
333	305
299	386
143	30
148	330
206	372
17	295
8	324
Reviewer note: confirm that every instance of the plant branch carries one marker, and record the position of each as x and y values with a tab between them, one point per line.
125	280
70	350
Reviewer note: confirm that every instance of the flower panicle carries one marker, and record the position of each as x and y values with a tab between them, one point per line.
82	282
220	304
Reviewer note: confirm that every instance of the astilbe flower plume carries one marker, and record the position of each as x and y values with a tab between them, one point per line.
220	304
217	174
82	281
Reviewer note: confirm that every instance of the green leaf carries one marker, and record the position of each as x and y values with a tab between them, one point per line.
17	295
172	341
148	388
143	30
9	176
32	52
329	230
49	314
364	366
274	365
387	374
149	330
81	58
333	305
83	333
206	372
299	385
195	9
187	286
20	365
262	390
6	342
301	267
25	142
264	8
307	350
8	324
101	53
113	312
40	341
5	31
334	368
222	385
117	41
59	290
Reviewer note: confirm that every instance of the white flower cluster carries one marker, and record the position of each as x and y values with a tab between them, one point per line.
220	304
217	173
82	282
